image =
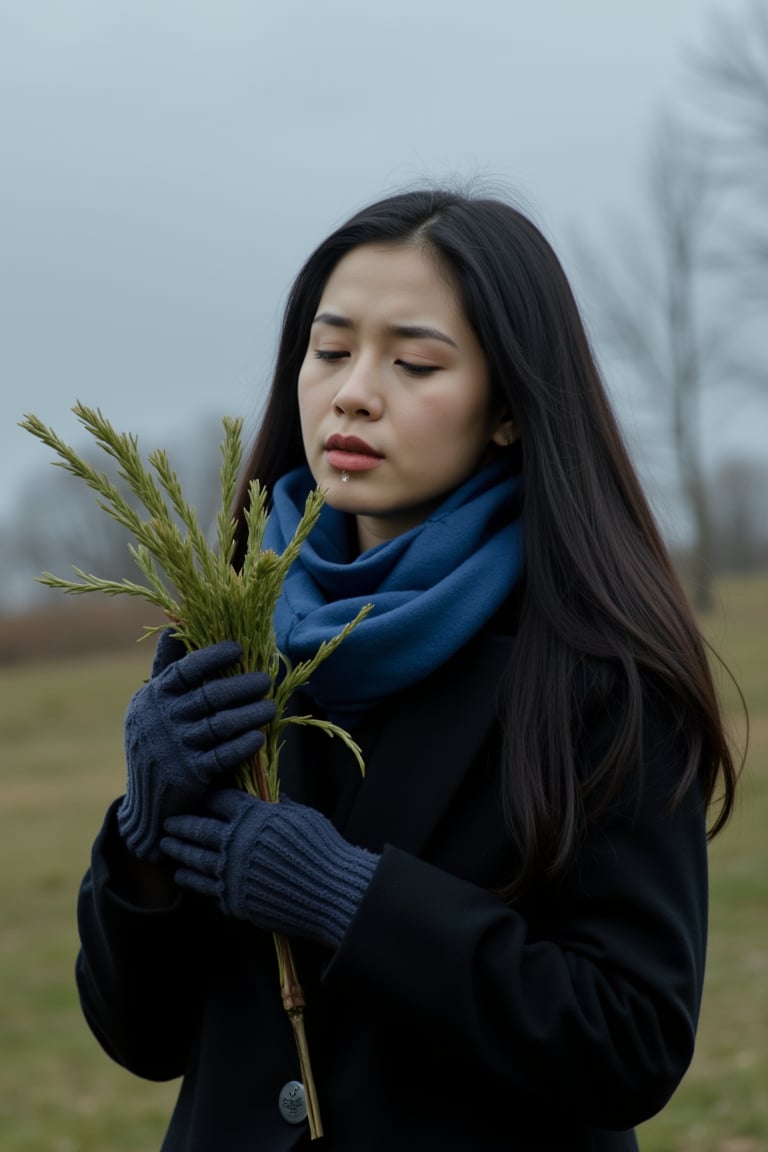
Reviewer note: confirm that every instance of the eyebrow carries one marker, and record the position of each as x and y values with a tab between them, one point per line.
409	331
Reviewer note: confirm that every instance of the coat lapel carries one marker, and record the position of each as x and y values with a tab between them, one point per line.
421	754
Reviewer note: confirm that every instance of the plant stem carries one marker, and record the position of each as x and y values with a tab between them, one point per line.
293	1002
290	988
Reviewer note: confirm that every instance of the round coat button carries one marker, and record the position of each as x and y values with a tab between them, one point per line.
292	1102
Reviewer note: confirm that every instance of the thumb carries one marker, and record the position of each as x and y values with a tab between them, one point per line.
169	650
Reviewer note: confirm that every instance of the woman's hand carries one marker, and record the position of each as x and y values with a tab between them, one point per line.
188	726
282	866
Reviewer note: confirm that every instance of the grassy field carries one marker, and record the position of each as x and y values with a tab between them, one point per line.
60	764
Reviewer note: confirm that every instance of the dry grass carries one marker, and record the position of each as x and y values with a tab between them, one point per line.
60	733
722	1105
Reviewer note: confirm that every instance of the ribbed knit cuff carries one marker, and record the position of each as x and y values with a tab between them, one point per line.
315	878
136	819
138	816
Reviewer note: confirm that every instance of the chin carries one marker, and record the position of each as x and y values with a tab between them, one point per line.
341	501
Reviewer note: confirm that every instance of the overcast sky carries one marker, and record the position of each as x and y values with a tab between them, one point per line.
168	164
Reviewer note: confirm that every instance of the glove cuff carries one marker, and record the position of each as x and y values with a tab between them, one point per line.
135	830
138	816
313	873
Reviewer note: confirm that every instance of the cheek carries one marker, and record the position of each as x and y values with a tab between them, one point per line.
444	420
306	395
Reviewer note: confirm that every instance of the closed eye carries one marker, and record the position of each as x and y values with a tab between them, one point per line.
329	354
417	369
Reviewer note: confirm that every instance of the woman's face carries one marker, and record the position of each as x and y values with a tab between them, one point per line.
393	392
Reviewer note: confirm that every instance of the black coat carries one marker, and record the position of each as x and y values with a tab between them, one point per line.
446	1019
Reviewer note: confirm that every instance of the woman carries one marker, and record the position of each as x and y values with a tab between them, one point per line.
501	929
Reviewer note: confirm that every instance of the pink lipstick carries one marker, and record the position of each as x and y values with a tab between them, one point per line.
351	454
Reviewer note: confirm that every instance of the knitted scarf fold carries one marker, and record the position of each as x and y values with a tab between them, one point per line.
432	588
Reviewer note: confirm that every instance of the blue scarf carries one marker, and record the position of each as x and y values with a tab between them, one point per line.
432	588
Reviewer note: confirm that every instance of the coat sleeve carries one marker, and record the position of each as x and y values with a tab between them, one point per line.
139	972
586	1003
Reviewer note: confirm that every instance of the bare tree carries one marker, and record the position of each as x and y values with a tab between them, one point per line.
731	74
57	525
655	309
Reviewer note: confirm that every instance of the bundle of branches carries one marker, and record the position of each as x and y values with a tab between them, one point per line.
206	600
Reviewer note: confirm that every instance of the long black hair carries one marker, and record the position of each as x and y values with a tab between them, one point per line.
600	590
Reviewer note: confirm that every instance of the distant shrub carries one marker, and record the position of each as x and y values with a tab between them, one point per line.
73	628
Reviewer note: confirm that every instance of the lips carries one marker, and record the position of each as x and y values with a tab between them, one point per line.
353	444
351	454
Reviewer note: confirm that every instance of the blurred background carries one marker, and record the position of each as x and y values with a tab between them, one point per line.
166	168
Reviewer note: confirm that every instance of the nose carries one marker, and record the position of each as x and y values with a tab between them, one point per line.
359	394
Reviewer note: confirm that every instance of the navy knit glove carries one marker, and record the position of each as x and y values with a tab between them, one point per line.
282	866
185	727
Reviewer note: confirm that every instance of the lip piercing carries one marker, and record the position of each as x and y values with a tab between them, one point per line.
344	477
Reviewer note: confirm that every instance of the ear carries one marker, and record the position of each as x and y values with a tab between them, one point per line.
506	433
